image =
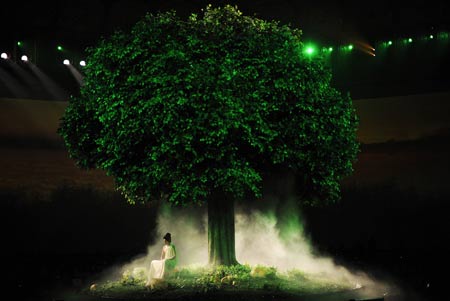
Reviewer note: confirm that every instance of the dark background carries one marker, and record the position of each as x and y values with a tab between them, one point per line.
417	68
391	225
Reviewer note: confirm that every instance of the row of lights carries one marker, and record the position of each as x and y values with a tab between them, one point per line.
24	58
310	49
441	35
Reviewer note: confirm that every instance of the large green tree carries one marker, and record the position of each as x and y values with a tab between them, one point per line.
199	111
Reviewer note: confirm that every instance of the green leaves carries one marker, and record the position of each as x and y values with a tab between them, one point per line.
182	108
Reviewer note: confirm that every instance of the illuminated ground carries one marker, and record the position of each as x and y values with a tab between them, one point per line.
364	293
240	283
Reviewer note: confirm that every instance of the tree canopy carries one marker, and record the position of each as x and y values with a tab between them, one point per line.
178	109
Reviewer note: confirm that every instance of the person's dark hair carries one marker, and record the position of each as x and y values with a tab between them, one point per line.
168	237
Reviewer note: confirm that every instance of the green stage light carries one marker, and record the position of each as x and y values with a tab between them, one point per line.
310	50
410	40
19	43
59	48
443	35
431	36
348	47
327	49
389	43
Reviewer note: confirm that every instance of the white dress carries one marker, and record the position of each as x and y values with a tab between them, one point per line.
159	267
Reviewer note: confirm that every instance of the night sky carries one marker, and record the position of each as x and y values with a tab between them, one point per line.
402	95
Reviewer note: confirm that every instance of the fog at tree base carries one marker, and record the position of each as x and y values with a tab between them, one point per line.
272	237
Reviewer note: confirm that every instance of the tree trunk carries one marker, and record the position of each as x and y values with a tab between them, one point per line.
221	248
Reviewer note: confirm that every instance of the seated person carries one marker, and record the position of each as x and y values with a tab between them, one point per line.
168	261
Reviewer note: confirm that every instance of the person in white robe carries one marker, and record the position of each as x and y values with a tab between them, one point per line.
168	261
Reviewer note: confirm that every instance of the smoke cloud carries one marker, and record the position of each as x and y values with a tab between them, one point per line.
262	238
271	235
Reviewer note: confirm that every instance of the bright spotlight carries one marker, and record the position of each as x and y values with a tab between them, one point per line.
24	58
310	49
4	56
59	48
82	63
66	62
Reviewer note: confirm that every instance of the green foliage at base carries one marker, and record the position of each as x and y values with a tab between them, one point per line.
220	278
